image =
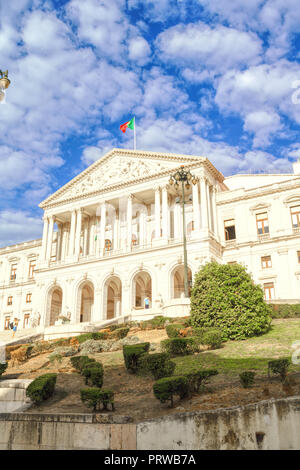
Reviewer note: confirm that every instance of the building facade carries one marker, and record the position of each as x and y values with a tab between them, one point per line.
113	238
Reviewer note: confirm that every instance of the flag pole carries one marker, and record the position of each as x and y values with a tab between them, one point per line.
134	136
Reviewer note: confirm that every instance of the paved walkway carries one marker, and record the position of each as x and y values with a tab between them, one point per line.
7	336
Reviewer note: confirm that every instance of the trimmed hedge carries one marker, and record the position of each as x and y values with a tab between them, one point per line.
173	330
158	365
3	367
247	378
119	333
96	336
94	398
178	346
198	378
132	353
212	338
41	388
279	367
165	389
285	310
93	372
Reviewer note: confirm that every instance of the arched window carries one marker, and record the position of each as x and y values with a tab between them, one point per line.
108	244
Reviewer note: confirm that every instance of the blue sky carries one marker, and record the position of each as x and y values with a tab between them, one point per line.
203	77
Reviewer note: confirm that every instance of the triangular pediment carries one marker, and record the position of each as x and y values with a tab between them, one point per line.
118	168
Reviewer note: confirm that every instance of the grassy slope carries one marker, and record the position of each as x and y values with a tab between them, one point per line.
250	354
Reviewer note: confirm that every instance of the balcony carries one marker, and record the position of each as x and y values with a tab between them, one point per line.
263	237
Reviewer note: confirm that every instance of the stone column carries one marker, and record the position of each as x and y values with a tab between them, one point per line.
45	238
203	203
59	241
214	208
102	228
157	213
177	221
143	234
92	237
86	236
50	237
116	231
72	233
165	214
129	222
196	209
64	242
208	206
78	231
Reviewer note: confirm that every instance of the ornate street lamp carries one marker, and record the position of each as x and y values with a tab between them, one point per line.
186	178
4	83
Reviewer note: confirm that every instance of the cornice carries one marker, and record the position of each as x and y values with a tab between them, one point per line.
190	162
262	192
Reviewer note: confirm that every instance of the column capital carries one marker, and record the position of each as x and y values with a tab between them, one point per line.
130	196
157	188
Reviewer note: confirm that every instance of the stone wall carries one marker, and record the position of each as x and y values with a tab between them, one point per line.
267	425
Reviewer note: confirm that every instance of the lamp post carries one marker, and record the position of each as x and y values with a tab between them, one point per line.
4	83
185	177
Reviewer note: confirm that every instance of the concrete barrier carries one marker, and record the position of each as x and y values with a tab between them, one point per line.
272	424
13	395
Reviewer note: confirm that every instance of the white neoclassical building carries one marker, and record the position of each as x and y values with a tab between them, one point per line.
113	236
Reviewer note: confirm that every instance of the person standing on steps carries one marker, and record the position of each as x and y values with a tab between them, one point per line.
16	321
147	302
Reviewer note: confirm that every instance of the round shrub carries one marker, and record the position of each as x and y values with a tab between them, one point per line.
93	398
41	388
165	389
198	378
132	353
120	333
173	330
280	367
224	296
212	338
247	378
158	365
177	346
93	372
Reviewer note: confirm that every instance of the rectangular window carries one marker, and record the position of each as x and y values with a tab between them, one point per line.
298	256
266	262
26	320
269	291
13	272
262	223
28	298
9	300
295	214
229	227
32	266
6	323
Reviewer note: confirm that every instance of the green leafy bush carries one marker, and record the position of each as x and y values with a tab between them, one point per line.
75	361
158	322
157	364
178	346
94	398
93	372
197	379
80	362
3	367
285	310
120	333
173	330
279	367
247	378
212	338
132	354
95	336
165	389
224	296
41	388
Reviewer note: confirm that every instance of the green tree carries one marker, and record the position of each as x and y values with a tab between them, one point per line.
224	296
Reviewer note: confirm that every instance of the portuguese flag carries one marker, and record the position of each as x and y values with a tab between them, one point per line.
129	124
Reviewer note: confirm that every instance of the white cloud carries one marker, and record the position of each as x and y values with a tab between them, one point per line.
205	47
263	124
139	50
17	226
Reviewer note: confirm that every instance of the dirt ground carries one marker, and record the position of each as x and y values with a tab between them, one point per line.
133	394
